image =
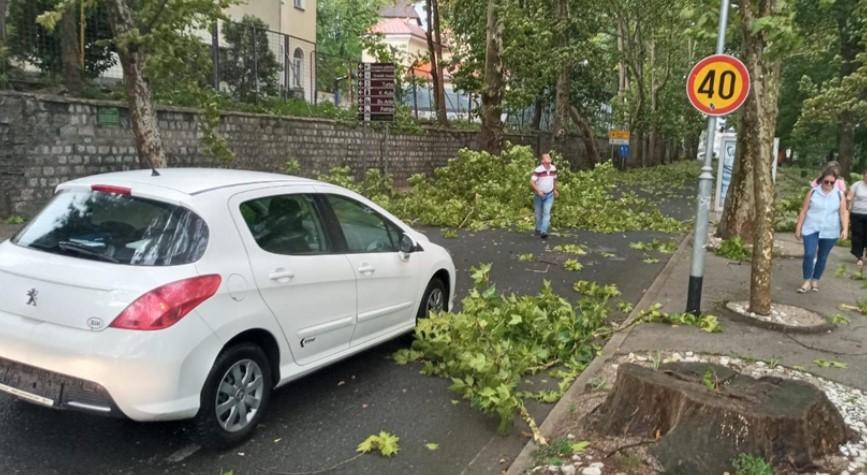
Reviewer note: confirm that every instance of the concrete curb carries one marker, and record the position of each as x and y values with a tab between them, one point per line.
524	460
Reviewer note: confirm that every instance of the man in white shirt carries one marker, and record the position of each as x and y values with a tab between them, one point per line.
544	184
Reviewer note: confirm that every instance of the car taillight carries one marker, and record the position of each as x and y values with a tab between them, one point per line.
163	306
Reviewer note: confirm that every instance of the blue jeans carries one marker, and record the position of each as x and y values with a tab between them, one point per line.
543	205
814	262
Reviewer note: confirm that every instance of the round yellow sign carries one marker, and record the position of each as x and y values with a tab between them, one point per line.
718	84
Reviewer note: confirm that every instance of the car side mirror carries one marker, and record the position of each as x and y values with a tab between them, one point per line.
407	244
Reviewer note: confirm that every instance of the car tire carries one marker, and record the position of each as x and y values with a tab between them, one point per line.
225	420
435	298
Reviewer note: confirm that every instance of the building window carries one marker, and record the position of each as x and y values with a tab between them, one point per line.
298	66
299	4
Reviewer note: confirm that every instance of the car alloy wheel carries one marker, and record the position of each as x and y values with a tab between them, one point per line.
436	300
234	397
239	395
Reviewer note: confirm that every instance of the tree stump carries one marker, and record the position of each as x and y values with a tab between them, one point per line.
792	424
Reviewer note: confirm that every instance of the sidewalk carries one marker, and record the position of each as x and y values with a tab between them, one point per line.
723	281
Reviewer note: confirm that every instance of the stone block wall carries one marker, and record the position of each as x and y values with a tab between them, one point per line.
46	140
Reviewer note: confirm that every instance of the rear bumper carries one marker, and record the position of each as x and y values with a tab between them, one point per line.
55	390
145	376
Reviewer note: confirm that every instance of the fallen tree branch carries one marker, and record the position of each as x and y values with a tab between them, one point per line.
538	438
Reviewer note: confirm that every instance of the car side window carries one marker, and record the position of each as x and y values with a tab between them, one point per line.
364	229
285	224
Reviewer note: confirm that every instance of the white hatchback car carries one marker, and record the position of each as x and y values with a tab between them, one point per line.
194	292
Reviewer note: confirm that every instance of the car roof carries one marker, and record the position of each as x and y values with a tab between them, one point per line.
191	181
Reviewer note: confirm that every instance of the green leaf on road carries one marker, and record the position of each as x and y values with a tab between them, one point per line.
830	364
383	442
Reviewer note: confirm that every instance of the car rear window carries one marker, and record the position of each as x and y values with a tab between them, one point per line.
117	228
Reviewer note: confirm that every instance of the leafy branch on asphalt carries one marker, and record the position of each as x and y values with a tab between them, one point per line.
488	348
384	443
654	314
477	190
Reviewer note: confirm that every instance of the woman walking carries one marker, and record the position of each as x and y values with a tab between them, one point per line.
824	218
858	218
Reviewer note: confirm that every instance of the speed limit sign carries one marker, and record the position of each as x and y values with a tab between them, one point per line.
718	85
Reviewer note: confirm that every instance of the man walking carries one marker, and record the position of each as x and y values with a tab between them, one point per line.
544	184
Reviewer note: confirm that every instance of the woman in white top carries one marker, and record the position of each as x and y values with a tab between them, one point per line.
858	217
824	218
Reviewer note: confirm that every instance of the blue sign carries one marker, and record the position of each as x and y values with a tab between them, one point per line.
623	151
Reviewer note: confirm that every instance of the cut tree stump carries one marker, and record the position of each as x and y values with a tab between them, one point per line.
791	424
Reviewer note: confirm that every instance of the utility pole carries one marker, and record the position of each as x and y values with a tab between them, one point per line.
705	182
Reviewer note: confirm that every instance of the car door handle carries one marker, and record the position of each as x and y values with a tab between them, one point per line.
281	275
366	269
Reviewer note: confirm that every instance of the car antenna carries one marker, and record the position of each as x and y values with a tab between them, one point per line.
154	171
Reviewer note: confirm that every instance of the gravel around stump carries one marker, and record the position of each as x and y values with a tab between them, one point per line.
782	318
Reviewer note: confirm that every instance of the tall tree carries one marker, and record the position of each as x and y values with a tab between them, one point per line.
435	52
248	65
836	102
70	51
491	133
133	58
4	9
52	42
342	33
148	35
764	28
561	96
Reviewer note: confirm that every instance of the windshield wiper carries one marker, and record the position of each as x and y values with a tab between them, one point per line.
68	246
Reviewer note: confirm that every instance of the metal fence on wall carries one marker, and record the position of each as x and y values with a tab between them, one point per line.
249	63
252	63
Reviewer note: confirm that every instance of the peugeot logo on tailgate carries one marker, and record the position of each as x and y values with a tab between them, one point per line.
31	294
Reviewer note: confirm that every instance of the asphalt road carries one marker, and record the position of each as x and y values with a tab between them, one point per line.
317	422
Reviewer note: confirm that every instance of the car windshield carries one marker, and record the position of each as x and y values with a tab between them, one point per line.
116	228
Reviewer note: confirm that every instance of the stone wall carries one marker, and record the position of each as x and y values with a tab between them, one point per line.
46	140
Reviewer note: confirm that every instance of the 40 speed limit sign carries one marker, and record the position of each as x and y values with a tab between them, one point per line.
718	85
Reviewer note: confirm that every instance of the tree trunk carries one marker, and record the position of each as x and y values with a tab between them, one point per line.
141	109
537	113
491	133
846	142
621	65
435	51
760	117
850	47
587	136
561	103
4	6
688	408
739	212
70	53
654	96
561	96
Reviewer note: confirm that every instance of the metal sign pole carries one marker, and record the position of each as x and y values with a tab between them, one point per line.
705	181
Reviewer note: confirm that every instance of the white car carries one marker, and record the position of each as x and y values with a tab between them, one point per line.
192	293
